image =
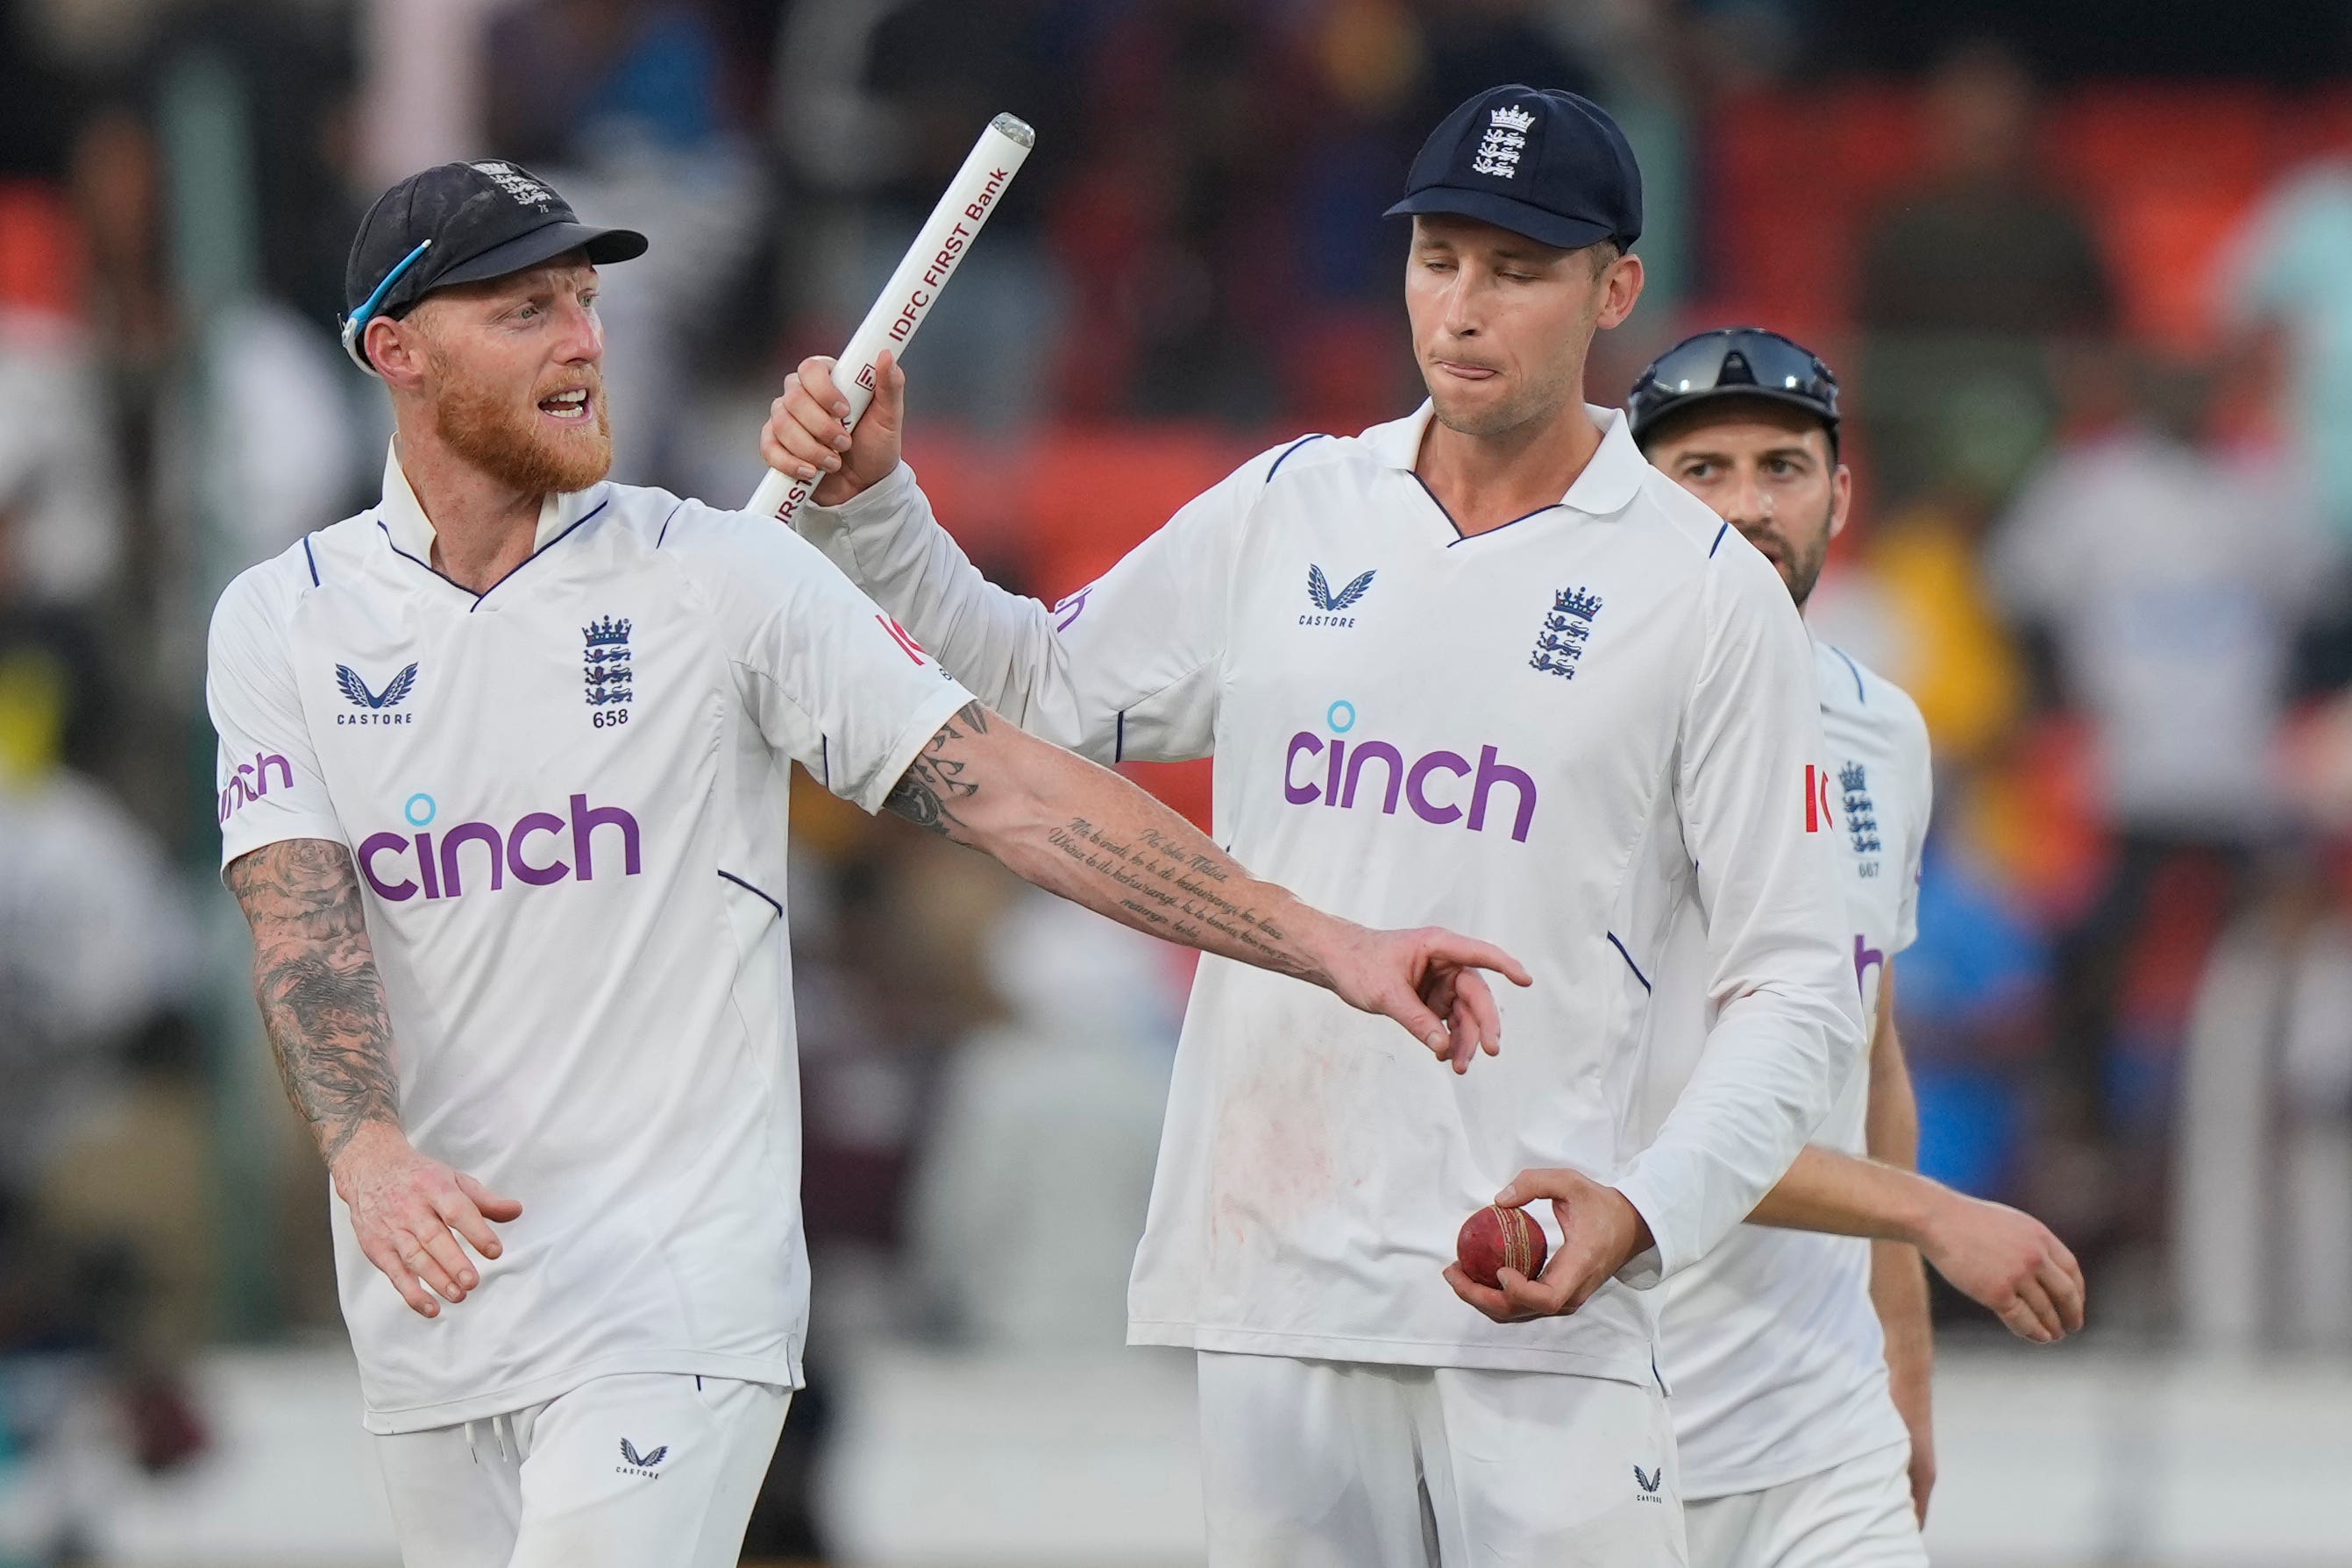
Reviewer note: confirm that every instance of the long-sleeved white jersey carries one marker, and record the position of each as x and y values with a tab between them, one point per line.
1772	1341
1553	735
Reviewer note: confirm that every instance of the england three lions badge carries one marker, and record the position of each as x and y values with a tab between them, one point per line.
1562	640
611	677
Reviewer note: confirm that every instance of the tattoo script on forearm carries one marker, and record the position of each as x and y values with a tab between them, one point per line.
1165	878
1178	890
315	977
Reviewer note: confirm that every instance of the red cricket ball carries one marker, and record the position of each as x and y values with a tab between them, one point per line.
1495	1239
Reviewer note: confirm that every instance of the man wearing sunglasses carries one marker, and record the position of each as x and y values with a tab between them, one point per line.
1799	1361
1481	660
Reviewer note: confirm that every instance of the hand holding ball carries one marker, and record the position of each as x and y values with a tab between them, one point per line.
1495	1239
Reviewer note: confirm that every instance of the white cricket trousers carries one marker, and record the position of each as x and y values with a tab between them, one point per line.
1853	1515
647	1471
1322	1464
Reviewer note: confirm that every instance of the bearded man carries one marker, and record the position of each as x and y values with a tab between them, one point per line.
502	774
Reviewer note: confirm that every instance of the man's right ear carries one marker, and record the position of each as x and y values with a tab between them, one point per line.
395	350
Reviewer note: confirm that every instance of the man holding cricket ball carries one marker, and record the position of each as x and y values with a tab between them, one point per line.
502	774
1486	664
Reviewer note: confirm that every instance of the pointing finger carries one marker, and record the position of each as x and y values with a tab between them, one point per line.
1471	952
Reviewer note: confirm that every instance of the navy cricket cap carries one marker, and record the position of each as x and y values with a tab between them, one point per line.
461	223
1540	161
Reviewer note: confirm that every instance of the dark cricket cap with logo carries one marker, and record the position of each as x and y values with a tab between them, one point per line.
461	223
1540	161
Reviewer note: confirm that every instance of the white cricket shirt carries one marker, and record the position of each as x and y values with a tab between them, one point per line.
566	798
1554	735
1773	1346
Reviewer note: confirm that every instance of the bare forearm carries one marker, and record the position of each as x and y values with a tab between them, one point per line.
1891	1127
1841	1195
1898	1273
1879	1198
1092	837
315	977
1898	1290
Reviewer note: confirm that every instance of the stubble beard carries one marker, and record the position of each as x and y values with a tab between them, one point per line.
1803	570
513	444
1535	402
1534	405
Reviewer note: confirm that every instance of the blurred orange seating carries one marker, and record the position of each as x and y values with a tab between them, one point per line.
41	258
1092	493
1064	506
2164	245
2100	140
2166	172
977	483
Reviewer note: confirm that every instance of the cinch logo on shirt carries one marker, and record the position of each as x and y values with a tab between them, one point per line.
1865	955
251	782
1416	783
439	870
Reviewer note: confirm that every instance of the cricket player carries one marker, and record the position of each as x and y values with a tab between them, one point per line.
1481	662
1799	1361
503	763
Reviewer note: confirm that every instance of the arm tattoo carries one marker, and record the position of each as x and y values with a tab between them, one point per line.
314	975
1176	890
934	781
1129	857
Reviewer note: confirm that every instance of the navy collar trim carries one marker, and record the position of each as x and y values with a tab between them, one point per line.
1461	537
477	597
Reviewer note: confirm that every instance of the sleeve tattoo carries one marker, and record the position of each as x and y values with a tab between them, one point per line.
926	794
315	977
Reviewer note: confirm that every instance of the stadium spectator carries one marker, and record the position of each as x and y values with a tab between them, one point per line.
1966	283
2167	587
2288	272
2262	1246
61	504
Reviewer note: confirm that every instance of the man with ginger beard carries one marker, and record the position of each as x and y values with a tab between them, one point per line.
502	775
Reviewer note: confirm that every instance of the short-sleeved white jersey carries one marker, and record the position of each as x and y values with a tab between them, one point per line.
1772	1346
1554	735
566	799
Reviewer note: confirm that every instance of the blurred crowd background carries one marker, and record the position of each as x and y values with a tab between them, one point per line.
2084	267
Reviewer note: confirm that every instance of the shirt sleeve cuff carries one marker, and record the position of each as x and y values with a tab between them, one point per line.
926	722
879	504
241	839
1647	1267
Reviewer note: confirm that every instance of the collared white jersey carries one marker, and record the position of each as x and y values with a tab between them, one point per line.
1554	735
566	800
1772	1346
